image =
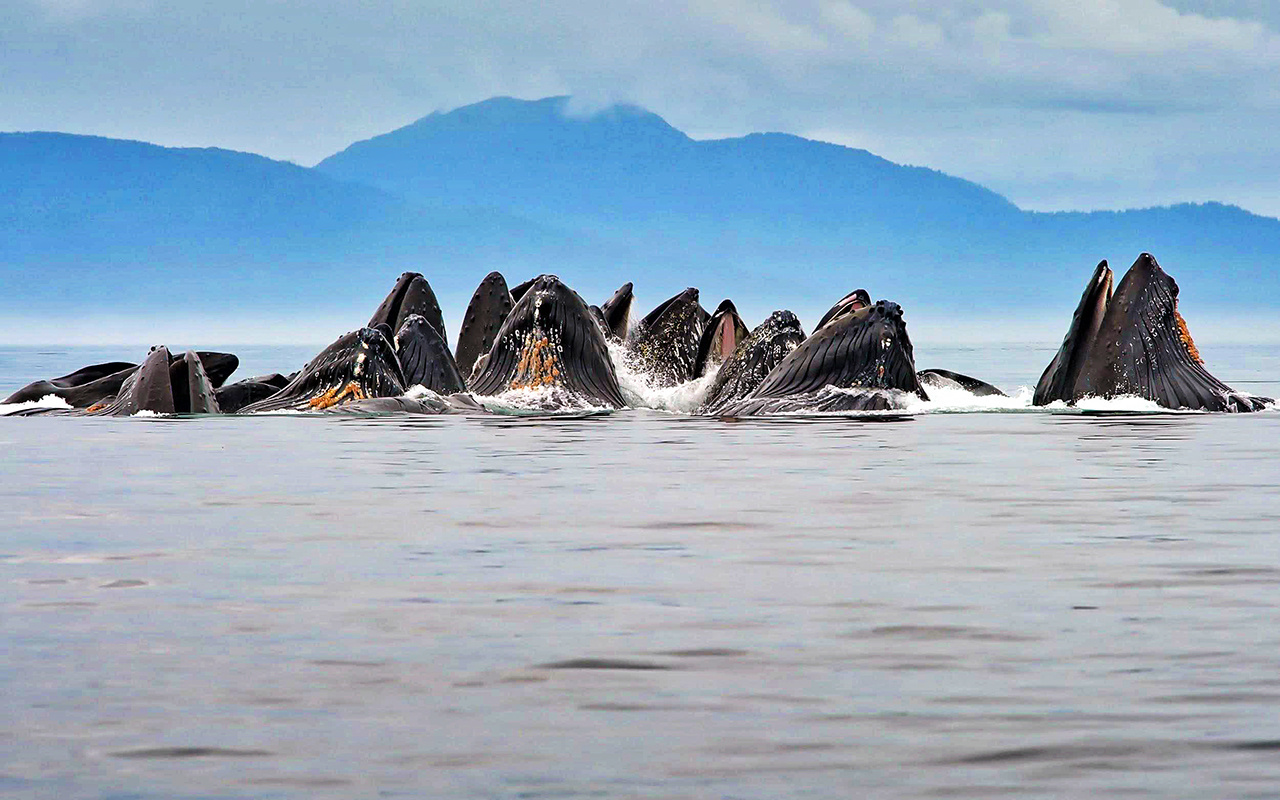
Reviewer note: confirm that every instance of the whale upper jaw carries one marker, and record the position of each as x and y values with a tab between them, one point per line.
1059	378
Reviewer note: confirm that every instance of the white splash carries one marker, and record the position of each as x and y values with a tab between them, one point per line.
1125	404
540	400
639	390
48	401
1128	403
954	400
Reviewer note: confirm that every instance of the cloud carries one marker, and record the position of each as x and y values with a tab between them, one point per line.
1099	103
848	21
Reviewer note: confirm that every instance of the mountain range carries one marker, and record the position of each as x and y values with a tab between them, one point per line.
769	219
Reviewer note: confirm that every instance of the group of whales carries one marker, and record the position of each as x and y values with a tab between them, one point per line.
541	335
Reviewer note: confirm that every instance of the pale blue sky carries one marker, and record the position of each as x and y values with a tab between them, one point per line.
1083	104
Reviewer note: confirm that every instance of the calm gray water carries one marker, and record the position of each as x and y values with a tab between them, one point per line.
642	605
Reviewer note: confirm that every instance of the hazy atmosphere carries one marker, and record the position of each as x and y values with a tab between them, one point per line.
1099	104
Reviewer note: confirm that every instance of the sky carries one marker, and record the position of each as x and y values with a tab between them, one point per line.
1080	104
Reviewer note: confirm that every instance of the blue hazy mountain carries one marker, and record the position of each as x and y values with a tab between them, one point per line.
93	222
600	198
770	208
623	166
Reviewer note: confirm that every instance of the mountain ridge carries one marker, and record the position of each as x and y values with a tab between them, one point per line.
600	197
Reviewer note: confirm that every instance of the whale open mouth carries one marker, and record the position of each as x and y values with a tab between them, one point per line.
412	294
723	334
1059	378
1133	341
666	344
727	337
539	364
753	357
485	314
617	312
862	360
359	365
549	340
854	301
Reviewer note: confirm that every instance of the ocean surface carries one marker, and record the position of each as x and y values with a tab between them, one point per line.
975	599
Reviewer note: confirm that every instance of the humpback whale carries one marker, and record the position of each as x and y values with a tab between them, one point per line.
753	359
430	403
485	314
1058	381
80	389
411	295
946	379
218	366
91	373
425	358
861	360
598	316
359	365
234	396
1134	342
148	388
520	289
163	384
857	299
193	390
721	336
665	344
99	383
550	340
616	312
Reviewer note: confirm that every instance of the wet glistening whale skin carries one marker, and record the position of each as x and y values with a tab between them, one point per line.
1133	342
861	360
550	341
540	346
